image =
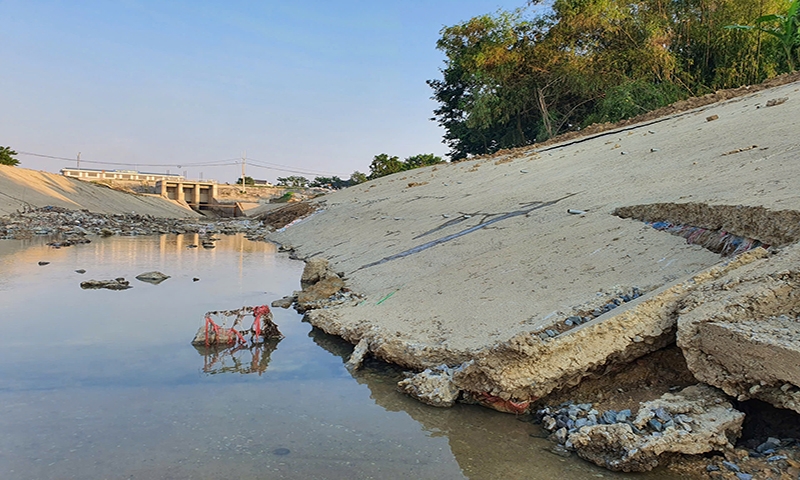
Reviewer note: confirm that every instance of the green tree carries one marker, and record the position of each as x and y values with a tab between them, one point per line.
383	165
247	181
356	178
784	27
293	181
7	157
422	160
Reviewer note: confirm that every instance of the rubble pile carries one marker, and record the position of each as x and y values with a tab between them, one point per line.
73	226
698	419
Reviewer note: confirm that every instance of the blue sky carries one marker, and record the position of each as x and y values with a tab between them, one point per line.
318	86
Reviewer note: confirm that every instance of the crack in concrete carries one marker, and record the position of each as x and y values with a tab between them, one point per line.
433	243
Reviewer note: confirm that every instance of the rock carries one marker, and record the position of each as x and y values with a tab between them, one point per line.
619	447
771	444
316	269
43	263
116	284
80	270
105	232
152	277
284	302
432	386
560	451
310	297
195	279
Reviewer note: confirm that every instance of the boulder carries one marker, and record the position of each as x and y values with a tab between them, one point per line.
152	277
116	284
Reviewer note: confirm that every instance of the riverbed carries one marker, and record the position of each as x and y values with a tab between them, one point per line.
105	384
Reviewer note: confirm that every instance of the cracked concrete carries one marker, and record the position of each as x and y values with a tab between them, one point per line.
495	295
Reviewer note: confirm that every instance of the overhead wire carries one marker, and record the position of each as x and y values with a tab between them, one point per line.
213	163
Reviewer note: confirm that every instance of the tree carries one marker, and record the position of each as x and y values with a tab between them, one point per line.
383	165
786	28
7	157
293	181
422	160
334	182
356	178
247	181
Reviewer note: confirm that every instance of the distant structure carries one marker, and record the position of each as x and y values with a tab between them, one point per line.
118	175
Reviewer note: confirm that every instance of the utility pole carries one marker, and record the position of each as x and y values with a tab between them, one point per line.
244	161
79	160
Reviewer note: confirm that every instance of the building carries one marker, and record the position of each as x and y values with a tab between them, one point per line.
118	175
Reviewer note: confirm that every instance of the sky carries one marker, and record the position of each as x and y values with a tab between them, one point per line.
307	87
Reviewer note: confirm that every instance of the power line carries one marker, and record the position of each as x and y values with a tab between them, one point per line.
286	168
215	163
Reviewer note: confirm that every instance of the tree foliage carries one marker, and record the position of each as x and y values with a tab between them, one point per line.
383	164
784	27
512	78
7	156
293	181
247	181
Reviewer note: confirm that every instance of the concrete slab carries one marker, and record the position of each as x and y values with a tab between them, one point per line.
480	264
741	333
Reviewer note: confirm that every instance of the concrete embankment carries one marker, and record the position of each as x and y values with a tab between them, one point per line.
520	274
21	189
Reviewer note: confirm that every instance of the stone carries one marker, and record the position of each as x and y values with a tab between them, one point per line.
225	336
153	277
116	284
80	270
284	302
310	296
619	447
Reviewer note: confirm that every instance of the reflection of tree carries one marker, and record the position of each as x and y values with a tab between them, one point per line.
485	443
242	359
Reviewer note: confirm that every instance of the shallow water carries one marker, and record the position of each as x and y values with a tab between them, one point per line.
105	384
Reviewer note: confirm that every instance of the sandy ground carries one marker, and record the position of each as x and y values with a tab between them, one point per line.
445	302
21	188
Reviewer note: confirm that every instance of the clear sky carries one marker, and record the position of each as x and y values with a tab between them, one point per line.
318	86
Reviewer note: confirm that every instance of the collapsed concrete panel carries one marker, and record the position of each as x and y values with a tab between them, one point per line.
696	420
741	332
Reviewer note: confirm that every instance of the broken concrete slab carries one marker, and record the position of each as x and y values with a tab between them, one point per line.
528	367
741	333
696	420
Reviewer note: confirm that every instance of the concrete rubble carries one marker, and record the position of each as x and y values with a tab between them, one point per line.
696	420
741	333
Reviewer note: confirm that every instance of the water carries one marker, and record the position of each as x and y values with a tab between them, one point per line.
105	384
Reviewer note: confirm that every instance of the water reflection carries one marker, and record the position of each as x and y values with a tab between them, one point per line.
60	414
242	359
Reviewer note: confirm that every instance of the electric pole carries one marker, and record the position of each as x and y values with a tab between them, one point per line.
244	161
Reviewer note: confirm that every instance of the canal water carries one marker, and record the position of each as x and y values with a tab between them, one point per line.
105	384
